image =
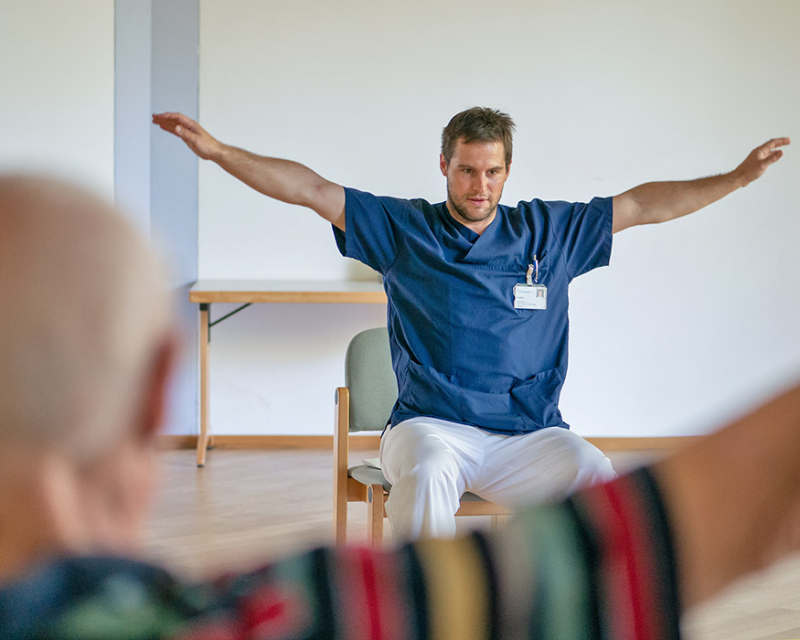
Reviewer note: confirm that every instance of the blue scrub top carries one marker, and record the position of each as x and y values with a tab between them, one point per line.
460	350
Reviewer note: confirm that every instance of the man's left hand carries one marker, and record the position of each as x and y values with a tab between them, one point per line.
756	163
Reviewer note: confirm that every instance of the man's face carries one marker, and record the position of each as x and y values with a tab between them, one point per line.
475	175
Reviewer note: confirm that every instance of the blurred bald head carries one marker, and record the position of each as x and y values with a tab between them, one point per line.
83	311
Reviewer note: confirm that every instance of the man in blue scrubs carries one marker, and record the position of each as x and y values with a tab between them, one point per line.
478	310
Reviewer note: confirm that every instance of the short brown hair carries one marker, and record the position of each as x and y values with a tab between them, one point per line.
478	124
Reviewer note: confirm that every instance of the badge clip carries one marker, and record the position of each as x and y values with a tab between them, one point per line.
531	295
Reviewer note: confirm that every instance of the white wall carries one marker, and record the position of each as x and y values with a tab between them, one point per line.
57	89
694	319
604	96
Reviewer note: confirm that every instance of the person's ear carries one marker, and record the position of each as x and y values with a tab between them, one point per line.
156	388
443	164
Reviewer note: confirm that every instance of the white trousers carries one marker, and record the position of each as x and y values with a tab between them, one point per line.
432	462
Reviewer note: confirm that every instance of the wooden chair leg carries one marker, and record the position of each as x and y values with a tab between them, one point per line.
340	524
375	515
341	452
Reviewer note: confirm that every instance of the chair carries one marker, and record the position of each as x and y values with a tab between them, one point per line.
365	404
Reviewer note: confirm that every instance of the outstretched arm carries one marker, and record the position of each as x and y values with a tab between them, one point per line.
734	498
662	201
283	180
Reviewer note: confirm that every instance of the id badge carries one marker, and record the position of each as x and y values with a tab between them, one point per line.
530	296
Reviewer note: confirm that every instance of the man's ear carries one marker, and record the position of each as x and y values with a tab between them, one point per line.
443	164
156	387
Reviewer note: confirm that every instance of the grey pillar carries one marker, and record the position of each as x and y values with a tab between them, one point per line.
156	69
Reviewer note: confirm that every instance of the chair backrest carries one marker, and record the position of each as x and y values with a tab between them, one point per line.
369	377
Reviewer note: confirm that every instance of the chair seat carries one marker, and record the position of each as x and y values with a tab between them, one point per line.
367	475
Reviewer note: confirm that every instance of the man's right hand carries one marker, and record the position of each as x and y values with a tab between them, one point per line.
283	180
196	138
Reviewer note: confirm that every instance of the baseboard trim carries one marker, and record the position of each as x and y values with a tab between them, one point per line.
608	444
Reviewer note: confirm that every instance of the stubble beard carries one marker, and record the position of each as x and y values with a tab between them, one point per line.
465	214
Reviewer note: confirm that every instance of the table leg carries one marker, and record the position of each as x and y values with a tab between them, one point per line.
202	439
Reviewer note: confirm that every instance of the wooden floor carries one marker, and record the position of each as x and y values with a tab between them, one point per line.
246	507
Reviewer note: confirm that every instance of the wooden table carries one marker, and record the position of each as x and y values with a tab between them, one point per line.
247	292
